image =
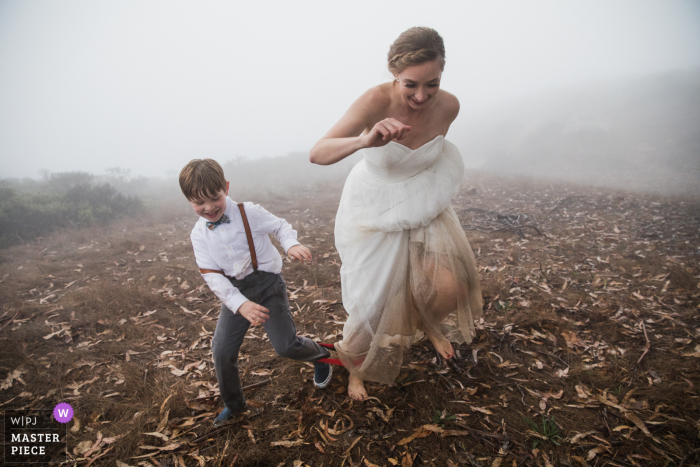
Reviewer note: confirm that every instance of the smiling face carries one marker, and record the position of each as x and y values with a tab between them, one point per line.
418	84
211	207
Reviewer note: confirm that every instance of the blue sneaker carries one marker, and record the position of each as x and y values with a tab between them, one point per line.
322	374
227	415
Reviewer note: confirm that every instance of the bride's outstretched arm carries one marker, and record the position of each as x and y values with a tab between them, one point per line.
330	150
365	113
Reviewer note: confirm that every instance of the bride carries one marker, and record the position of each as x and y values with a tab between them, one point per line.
407	267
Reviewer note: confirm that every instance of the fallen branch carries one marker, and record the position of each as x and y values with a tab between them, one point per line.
480	433
10	321
520	227
245	388
226	425
687	456
258	384
454	366
647	346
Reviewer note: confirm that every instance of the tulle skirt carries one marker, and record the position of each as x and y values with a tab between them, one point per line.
407	268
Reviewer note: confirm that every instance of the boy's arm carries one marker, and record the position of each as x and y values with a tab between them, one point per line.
269	223
218	283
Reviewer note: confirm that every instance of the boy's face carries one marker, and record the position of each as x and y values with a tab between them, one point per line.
211	208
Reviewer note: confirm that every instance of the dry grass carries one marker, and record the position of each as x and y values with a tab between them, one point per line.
561	338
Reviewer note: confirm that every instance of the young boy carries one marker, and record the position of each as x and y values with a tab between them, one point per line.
246	280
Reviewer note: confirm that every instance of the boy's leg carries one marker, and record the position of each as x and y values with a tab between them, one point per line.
227	341
280	327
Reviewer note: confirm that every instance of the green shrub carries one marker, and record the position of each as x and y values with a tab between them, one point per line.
66	200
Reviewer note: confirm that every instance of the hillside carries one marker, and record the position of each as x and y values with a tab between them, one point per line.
588	353
641	134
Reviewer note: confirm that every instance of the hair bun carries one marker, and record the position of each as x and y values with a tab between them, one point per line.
414	47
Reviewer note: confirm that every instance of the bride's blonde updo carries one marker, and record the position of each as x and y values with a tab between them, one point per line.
415	46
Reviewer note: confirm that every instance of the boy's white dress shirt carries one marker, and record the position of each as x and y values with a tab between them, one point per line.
226	248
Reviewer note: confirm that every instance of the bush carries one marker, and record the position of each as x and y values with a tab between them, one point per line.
67	200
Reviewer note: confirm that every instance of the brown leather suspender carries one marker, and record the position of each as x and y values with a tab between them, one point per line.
249	235
207	271
251	244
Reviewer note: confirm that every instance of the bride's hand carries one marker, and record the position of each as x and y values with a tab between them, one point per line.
384	131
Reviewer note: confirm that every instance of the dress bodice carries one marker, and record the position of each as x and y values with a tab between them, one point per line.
396	188
394	161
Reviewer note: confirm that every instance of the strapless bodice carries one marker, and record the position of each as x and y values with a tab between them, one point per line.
396	188
395	161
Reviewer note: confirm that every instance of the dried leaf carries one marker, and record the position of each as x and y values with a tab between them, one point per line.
352	445
162	406
163	422
547	462
386	417
11	377
169	447
579	436
49	336
287	444
640	424
433	428
622	427
606	401
418	433
82	447
176	371
112	439
335	431
481	409
76	425
95	446
595	451
572	340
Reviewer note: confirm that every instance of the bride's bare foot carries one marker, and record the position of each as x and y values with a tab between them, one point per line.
443	346
356	389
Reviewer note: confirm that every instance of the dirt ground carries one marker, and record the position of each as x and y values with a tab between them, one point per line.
588	353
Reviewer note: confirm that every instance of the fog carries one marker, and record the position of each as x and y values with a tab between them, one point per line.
147	86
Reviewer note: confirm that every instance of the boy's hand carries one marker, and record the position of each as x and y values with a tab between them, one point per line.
254	313
299	252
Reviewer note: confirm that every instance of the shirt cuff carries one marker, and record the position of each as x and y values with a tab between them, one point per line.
235	302
288	243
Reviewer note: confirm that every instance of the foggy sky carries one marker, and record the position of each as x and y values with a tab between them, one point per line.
149	85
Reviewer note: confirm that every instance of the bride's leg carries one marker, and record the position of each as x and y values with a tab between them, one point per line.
446	293
356	389
447	290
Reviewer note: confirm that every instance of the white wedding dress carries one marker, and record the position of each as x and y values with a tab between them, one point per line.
407	267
